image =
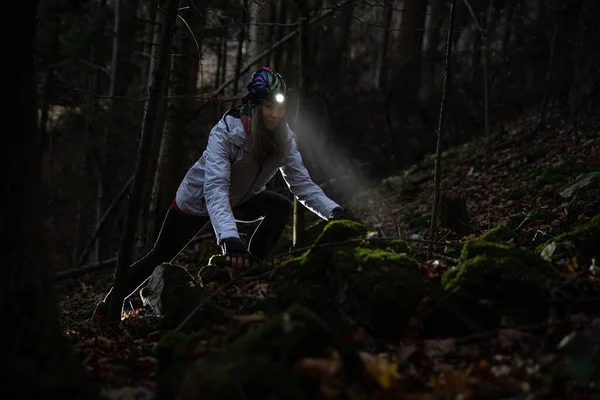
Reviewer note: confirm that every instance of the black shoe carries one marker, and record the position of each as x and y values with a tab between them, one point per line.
101	311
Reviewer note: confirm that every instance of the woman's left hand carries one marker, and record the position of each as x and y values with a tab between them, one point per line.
236	254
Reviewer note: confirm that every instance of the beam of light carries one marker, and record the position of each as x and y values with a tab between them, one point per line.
345	180
279	98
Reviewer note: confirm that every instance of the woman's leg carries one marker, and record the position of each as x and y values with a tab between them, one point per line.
176	231
275	210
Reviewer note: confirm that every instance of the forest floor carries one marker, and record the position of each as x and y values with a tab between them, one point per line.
519	171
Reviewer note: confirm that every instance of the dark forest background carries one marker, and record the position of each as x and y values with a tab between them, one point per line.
373	79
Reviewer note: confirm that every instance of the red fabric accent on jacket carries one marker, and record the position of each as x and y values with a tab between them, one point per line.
179	210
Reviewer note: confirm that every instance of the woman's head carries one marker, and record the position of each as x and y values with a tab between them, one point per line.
266	101
267	87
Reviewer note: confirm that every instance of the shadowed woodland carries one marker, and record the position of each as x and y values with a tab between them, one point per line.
462	137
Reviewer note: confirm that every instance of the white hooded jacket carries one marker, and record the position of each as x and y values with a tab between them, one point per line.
225	176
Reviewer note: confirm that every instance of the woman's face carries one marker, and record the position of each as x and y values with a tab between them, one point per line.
272	113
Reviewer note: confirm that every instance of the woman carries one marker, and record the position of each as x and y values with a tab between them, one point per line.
227	184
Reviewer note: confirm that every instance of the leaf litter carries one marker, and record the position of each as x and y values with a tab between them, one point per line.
555	360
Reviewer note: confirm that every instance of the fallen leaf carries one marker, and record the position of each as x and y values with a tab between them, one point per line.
572	264
380	369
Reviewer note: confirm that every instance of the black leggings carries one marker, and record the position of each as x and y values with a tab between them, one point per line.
178	229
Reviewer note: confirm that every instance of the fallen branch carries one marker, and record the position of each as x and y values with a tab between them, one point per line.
97	266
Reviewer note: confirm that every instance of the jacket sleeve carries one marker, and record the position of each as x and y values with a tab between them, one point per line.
302	186
216	184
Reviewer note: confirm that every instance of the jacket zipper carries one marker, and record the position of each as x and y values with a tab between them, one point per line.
252	184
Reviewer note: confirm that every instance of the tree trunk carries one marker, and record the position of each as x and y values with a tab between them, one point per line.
409	48
586	59
170	168
240	47
37	361
253	35
141	168
506	28
485	58
298	227
438	152
145	223
46	99
149	33
282	17
381	68
431	53
270	31
223	59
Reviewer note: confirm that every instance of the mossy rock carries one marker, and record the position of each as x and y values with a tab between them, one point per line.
259	365
507	279
213	273
395	246
582	242
501	234
584	196
340	230
584	182
385	284
351	284
173	294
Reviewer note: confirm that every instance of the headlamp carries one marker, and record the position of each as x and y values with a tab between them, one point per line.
279	98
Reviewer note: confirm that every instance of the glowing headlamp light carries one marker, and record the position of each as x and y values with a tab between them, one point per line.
279	98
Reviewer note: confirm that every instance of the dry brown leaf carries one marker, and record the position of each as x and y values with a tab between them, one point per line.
380	369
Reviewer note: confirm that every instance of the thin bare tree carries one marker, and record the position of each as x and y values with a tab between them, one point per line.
438	152
298	227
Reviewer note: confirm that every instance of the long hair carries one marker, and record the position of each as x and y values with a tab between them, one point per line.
266	144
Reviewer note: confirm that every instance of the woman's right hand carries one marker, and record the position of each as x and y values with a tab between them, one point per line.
236	254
